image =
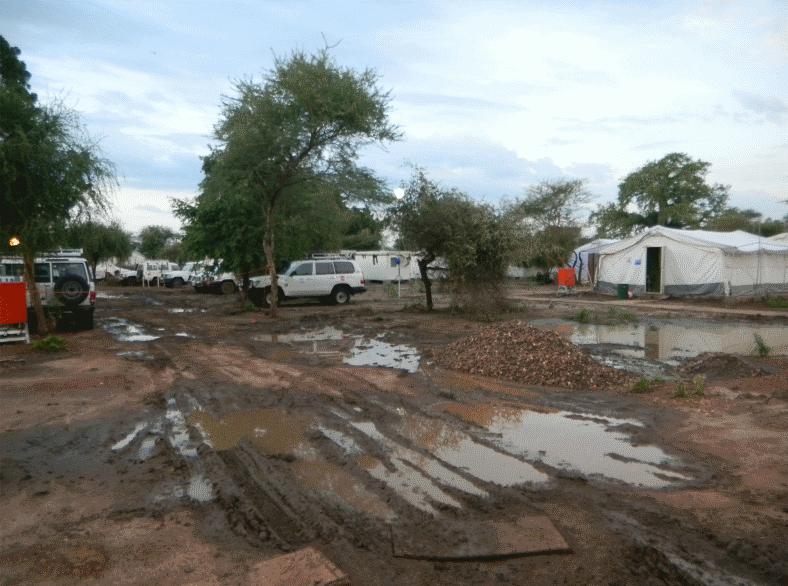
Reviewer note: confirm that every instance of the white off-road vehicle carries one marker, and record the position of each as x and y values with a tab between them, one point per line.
184	275
331	280
212	280
64	284
151	272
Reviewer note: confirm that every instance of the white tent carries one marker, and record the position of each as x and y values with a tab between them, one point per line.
693	262
584	257
779	238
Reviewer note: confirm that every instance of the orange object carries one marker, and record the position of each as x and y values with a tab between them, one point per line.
13	303
566	277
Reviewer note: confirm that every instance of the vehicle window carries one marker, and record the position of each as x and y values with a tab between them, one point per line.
303	269
344	268
324	268
14	270
42	272
69	268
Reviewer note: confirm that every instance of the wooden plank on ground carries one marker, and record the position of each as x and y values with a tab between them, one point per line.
305	566
455	540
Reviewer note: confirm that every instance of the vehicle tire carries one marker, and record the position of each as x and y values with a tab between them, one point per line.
340	295
71	290
177	282
227	288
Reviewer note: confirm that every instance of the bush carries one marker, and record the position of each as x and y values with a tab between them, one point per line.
681	389
50	344
642	386
778	303
760	346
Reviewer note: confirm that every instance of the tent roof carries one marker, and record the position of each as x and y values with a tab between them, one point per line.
597	244
736	242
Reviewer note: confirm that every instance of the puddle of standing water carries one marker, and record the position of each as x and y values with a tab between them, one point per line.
572	441
126	331
670	341
455	447
355	349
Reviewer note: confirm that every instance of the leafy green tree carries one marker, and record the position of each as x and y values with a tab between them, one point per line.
748	220
154	240
445	223
100	242
298	132
671	192
550	219
51	171
362	230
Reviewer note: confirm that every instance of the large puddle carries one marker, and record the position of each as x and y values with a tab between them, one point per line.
354	349
671	341
586	444
126	331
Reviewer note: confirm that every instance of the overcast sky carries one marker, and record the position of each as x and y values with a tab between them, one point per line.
491	96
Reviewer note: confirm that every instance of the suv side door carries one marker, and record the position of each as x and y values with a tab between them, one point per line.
301	280
324	278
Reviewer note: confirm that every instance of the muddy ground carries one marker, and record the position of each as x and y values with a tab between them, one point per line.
185	441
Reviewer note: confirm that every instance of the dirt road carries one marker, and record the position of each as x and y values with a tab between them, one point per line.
184	441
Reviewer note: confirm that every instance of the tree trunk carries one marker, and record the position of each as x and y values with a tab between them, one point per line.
35	298
423	264
268	248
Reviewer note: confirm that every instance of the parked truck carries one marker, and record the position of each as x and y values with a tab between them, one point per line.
151	272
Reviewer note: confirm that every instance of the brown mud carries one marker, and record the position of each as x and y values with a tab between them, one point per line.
184	441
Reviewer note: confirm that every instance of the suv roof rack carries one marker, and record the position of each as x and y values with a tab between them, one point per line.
328	255
69	252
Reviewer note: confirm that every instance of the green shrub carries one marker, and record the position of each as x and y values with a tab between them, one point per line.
760	346
699	383
583	316
642	386
681	389
249	307
50	344
779	303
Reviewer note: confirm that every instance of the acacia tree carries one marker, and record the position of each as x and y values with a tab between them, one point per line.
670	192
300	131
472	239
50	170
154	240
550	218
100	242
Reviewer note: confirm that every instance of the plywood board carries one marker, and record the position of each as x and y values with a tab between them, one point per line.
305	566
455	540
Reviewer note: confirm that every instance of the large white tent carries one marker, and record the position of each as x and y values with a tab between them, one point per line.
583	258
779	238
693	262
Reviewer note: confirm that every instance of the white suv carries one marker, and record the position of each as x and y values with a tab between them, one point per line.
64	284
330	280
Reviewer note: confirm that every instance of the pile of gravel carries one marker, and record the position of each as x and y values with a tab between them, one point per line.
717	365
516	351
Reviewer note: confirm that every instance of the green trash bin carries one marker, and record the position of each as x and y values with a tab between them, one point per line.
622	291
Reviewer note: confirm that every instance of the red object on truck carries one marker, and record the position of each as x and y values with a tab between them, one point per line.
566	277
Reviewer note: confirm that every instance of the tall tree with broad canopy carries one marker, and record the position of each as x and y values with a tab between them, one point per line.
471	238
100	242
299	132
671	192
154	240
550	217
51	171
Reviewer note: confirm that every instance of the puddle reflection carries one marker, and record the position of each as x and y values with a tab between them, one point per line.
574	442
669	341
457	448
356	350
126	331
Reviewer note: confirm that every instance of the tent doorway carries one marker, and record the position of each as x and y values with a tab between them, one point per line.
654	269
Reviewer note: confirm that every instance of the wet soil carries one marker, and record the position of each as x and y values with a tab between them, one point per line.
184	441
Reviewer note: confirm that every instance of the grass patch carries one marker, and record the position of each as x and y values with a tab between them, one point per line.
761	347
249	307
642	386
50	344
681	389
583	316
620	316
699	384
778	303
